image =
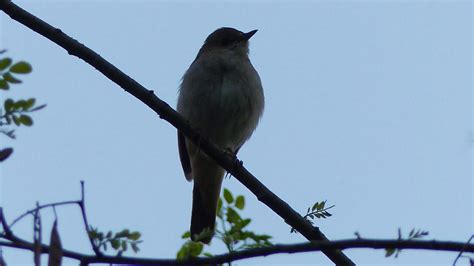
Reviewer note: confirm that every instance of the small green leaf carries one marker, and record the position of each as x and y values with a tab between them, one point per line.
219	207
228	196
196	248
8	105
232	216
4	85
10	78
134	236
21	67
245	222
16	120
389	252
186	235
27	121
321	205
19	104
29	103
4	63
123	233
93	234
240	202
207	254
124	245
115	243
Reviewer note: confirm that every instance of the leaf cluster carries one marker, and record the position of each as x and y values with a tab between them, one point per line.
231	229
9	70
119	241
14	112
317	211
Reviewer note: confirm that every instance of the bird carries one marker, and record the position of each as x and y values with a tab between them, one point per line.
221	96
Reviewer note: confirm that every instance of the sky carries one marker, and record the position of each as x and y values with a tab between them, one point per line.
368	106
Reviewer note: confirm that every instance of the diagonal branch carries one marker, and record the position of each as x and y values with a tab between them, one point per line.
229	163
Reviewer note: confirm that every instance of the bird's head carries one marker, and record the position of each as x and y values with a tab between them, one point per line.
228	38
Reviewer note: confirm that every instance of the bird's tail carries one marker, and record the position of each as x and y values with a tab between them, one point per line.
207	186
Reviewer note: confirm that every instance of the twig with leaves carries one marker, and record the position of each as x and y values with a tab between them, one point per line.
118	241
233	232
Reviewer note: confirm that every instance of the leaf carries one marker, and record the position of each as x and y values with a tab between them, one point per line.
124	245
240	202
228	196
134	236
5	153
16	120
4	85
389	252
26	120
232	216
135	247
55	247
245	222
19	104
186	235
123	233
8	105
196	248
321	205
5	62
115	243
29	103
315	206
10	78
219	207
21	67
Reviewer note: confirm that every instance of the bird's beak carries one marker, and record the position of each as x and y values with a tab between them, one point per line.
248	35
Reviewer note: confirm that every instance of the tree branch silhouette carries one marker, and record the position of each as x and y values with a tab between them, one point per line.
223	158
16	242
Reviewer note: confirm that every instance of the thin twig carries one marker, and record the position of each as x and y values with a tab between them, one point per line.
221	157
32	211
37	236
462	250
82	205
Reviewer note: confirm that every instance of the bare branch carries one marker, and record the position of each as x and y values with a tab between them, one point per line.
265	251
229	163
32	211
86	223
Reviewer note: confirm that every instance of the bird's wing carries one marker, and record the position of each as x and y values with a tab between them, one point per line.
184	156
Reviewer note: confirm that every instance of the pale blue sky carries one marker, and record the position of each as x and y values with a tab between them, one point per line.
368	106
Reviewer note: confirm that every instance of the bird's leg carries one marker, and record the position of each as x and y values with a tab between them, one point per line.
233	154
